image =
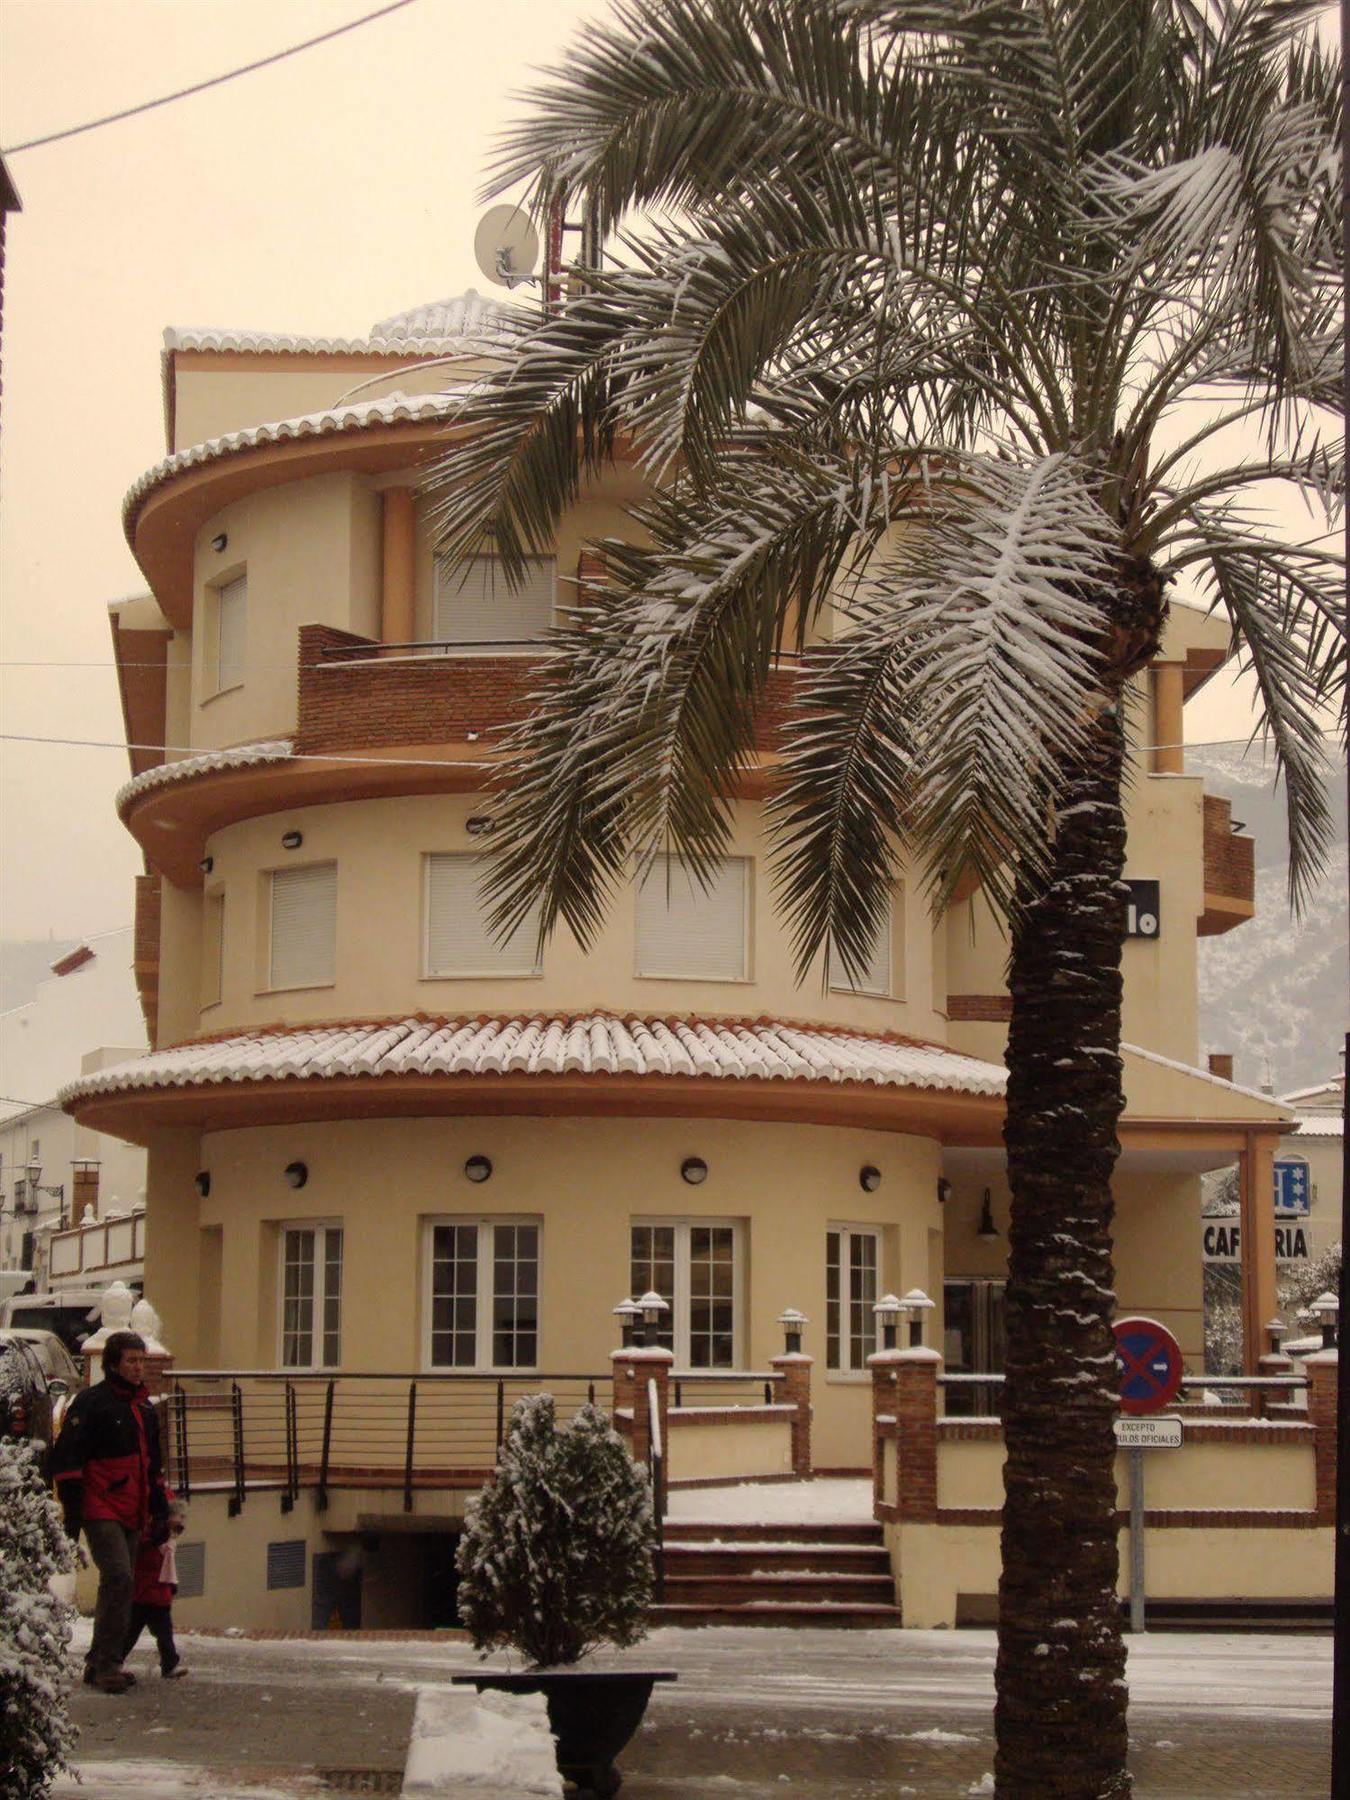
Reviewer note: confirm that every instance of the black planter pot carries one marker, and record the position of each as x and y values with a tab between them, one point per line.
591	1713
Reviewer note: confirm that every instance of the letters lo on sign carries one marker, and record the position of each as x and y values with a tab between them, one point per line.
1143	910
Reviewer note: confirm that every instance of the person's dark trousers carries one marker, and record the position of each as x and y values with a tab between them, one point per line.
113	1549
158	1621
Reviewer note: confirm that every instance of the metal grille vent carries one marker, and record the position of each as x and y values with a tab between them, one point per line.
286	1563
190	1561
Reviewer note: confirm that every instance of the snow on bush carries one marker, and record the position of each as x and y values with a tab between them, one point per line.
556	1555
35	1729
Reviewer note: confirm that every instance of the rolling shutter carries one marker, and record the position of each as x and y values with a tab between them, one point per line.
875	978
231	620
304	926
475	604
458	940
684	930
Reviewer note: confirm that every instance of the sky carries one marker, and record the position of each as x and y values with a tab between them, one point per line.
314	196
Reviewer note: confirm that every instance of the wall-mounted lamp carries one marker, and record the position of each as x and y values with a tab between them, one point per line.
479	825
478	1169
202	1182
628	1313
219	541
207	864
292	840
296	1173
694	1170
887	1312
651	1306
869	1178
916	1303
793	1323
988	1230
944	1190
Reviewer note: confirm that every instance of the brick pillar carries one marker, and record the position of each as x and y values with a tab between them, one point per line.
630	1371
912	1401
795	1368
882	1366
1323	1374
1274	1362
84	1192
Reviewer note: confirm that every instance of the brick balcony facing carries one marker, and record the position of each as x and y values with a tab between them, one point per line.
1230	870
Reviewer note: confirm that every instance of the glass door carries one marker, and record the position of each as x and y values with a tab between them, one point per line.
975	1339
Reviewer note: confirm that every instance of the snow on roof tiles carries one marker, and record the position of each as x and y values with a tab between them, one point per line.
594	1044
243	756
393	409
1168	1062
460	323
1327	1125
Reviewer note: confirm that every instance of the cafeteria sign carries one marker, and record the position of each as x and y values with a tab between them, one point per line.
1221	1242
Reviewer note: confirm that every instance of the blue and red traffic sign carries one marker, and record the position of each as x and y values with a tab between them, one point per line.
1149	1360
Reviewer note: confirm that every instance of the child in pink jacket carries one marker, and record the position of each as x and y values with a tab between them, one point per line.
156	1583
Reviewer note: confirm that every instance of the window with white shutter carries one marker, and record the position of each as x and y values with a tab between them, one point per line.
231	628
475	604
685	930
876	976
457	939
304	927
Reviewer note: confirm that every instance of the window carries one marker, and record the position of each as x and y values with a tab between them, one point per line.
231	620
304	927
686	930
852	1260
483	1308
695	1267
456	938
311	1296
213	948
875	977
475	604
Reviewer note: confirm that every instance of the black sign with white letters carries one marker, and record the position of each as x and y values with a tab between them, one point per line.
1143	911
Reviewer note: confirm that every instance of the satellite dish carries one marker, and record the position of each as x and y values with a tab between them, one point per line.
506	245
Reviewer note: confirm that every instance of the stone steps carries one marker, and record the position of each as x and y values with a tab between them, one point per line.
834	1576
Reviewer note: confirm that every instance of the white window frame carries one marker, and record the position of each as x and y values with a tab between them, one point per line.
660	869
680	1301
320	1228
450	578
231	592
273	986
839	981
527	934
485	1295
846	1369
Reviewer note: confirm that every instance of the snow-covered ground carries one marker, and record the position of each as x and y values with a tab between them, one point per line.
774	1503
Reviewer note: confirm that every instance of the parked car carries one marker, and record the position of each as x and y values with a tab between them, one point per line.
72	1313
37	1377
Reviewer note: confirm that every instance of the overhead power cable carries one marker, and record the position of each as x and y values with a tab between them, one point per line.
200	87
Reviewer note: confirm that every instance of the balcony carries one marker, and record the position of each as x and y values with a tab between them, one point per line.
1230	870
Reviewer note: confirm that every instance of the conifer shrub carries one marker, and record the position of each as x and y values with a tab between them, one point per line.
556	1554
36	1733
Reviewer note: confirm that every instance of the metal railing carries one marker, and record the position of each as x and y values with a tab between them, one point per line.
288	1429
656	1459
724	1388
980	1396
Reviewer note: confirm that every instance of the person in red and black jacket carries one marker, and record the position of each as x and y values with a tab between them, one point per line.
109	1480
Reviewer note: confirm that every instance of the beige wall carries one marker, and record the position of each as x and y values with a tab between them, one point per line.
379	846
716	1451
585	1180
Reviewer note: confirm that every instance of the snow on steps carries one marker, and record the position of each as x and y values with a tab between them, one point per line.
809	1574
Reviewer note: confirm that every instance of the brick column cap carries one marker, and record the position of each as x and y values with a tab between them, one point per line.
917	1353
798	1357
1322	1359
643	1353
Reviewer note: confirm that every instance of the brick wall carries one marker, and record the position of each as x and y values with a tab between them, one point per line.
1230	862
987	1009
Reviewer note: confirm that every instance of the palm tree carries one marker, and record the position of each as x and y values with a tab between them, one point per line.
950	314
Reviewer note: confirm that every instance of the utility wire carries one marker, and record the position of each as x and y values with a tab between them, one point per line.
200	87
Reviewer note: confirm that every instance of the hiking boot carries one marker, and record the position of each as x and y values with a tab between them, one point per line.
113	1681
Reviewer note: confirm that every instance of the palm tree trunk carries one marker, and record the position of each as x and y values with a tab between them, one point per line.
1061	1695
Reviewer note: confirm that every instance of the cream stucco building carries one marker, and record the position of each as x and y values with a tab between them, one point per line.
381	1143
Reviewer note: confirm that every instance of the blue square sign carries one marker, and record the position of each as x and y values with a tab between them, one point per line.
1293	1187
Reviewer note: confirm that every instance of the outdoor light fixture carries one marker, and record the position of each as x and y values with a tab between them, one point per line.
478	1169
57	1189
627	1312
202	1182
207	864
793	1323
869	1178
944	1190
479	825
296	1173
1325	1309
651	1306
219	541
916	1303
694	1170
292	840
1275	1330
988	1230
887	1312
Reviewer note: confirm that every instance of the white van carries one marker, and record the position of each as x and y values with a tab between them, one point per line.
73	1314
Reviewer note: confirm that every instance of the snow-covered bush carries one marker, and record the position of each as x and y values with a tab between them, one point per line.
1301	1283
556	1555
35	1729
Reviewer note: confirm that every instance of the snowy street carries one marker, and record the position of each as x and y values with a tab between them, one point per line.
825	1715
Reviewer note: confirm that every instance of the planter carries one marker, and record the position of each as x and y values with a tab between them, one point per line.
591	1713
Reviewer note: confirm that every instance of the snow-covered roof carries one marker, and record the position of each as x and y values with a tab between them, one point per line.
1168	1062
1327	1125
593	1044
459	323
391	409
209	762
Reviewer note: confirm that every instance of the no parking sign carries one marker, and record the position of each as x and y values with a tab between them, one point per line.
1149	1360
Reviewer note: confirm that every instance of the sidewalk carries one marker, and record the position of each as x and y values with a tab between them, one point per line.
817	1714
